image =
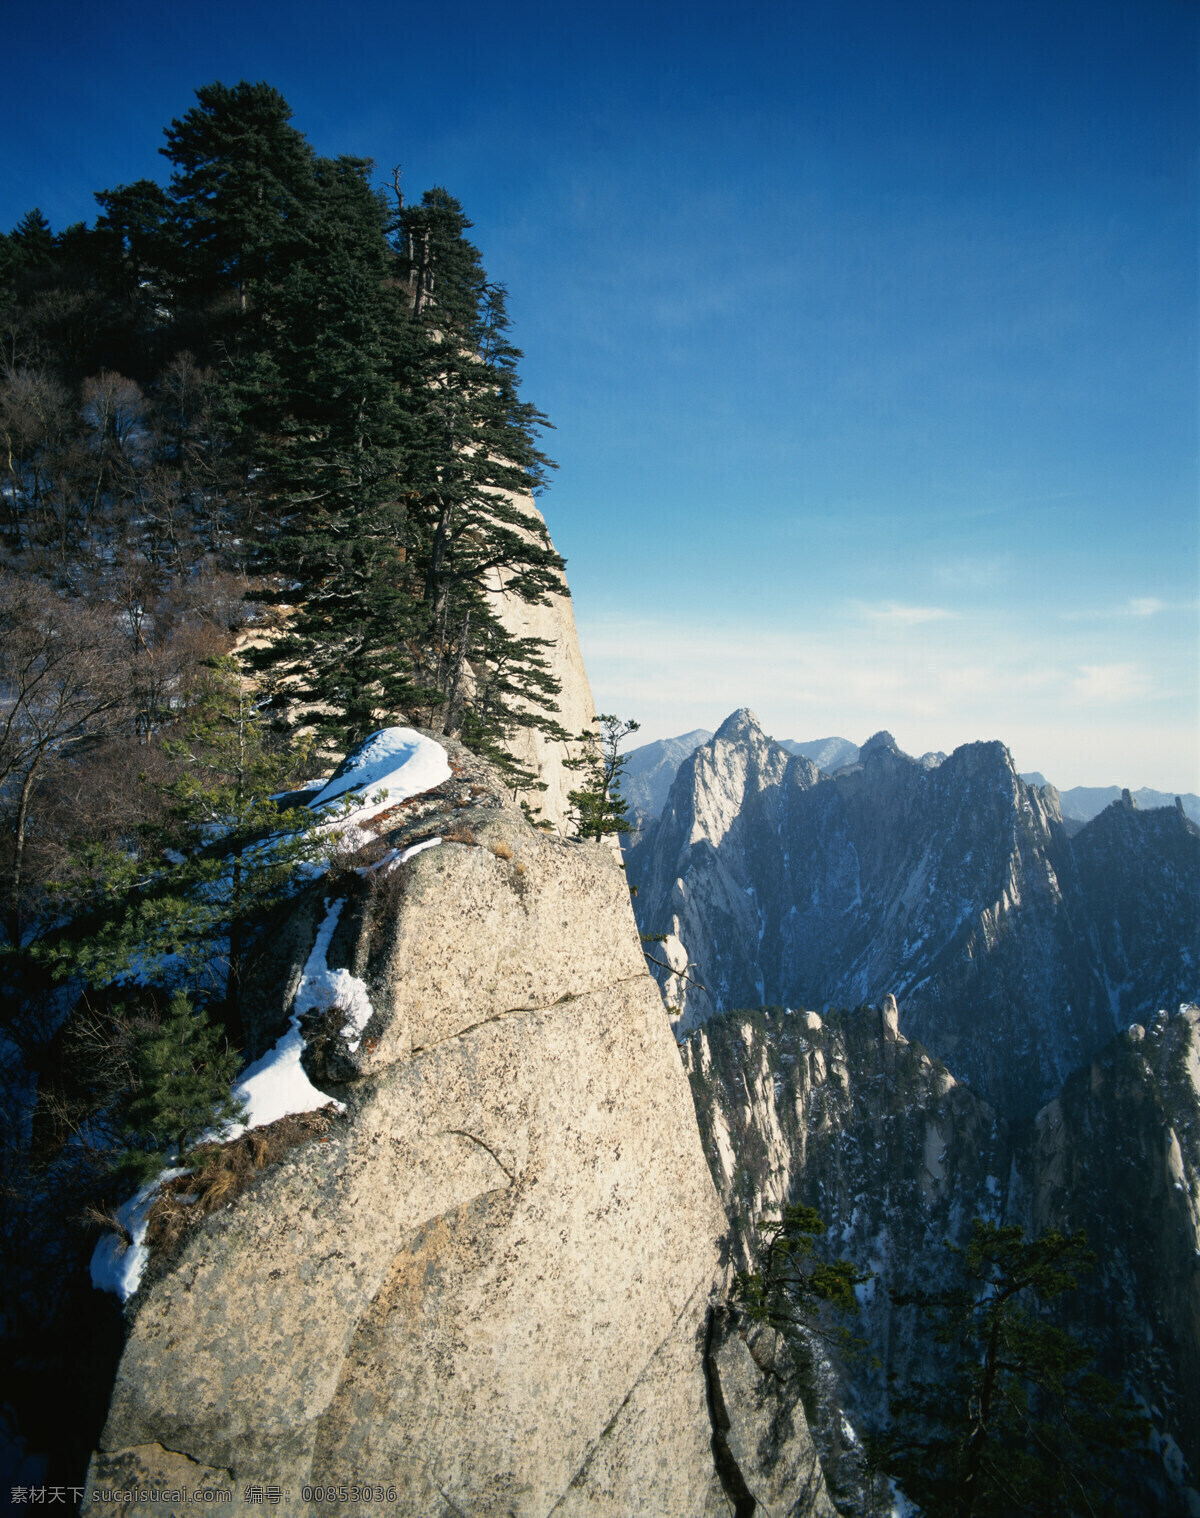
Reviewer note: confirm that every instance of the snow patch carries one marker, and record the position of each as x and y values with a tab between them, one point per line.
276	1086
901	1505
389	766
117	1266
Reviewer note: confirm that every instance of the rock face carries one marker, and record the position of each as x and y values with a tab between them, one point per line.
490	1287
697	869
650	770
1118	1153
1014	950
553	621
843	1113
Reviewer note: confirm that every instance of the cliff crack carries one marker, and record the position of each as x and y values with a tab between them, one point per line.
462	1133
745	1504
577	1478
496	1017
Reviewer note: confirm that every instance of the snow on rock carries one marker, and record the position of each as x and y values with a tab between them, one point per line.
390	766
276	1086
117	1266
321	988
395	857
398	762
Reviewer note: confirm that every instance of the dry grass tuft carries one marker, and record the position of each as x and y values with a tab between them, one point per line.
106	1218
502	850
219	1173
388	888
460	833
519	867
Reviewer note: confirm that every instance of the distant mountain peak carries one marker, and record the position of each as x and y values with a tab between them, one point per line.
740	724
880	742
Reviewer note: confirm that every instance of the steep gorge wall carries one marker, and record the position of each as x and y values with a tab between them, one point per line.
1117	1153
843	1113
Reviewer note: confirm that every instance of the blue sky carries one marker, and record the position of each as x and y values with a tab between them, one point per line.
869	331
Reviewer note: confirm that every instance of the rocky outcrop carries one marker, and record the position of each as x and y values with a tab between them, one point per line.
761	1438
845	1114
699	870
486	1289
1014	950
1118	1154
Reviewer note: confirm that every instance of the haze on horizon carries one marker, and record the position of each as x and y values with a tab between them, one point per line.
870	334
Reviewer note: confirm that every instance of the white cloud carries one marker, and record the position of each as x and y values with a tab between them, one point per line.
1109	682
900	615
1079	719
1136	606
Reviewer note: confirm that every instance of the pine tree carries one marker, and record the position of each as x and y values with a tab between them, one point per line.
1023	1424
240	178
334	421
133	236
184	1071
472	452
599	806
789	1286
32	241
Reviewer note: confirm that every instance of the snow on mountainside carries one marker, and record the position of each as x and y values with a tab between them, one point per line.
1016	950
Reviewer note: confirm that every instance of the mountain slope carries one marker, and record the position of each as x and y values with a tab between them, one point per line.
955	887
650	769
845	1114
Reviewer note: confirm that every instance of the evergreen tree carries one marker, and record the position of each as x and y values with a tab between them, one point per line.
184	1070
599	806
790	1287
329	405
240	178
133	236
472	450
1024	1425
32	241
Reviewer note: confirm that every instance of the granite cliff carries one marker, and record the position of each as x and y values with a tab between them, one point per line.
491	1278
844	1113
1015	950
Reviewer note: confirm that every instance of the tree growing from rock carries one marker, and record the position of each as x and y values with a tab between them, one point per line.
598	804
1024	1424
790	1286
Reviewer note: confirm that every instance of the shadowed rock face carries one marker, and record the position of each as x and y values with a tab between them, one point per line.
1118	1153
1014	950
843	1113
488	1288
